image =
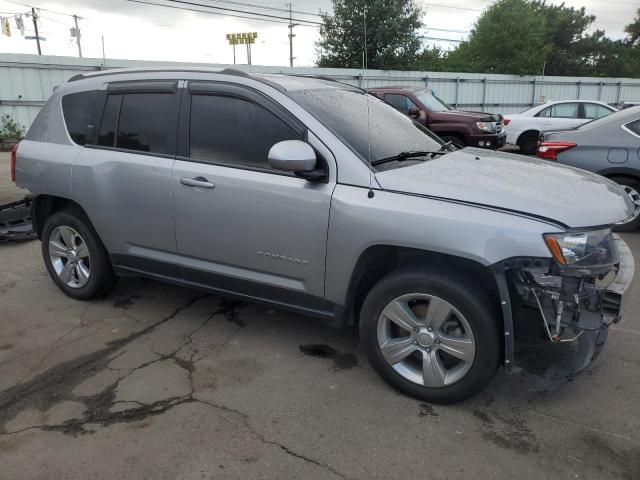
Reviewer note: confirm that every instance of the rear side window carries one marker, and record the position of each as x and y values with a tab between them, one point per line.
634	127
139	121
77	109
233	130
593	111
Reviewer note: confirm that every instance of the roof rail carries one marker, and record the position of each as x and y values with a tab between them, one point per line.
225	71
324	77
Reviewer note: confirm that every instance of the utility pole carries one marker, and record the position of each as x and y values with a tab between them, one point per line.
104	59
77	35
291	35
34	17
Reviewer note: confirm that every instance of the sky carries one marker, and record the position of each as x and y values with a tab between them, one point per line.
146	32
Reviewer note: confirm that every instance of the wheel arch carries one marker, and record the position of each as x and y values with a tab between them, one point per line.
46	205
618	172
378	260
529	131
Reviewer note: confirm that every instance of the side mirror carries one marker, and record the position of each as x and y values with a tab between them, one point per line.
292	156
413	112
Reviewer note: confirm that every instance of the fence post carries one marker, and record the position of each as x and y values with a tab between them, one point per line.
360	80
484	92
533	94
579	89
618	94
457	92
426	81
600	90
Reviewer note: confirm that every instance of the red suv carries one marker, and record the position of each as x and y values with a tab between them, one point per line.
475	129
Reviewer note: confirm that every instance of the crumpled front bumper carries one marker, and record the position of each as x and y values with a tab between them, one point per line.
574	333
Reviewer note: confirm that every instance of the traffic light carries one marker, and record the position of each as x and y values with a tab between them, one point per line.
6	28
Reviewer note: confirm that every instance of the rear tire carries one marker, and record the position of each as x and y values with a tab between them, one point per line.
463	322
528	143
75	257
632	188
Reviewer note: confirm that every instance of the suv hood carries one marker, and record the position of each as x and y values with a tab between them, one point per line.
566	195
462	115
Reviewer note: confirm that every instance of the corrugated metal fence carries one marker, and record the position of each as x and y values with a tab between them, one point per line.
26	81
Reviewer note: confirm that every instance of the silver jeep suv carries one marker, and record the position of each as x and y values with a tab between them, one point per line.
311	195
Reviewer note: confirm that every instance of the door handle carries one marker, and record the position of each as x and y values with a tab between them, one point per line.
197	182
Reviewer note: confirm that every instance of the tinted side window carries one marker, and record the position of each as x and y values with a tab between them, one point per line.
77	108
232	130
400	102
593	111
145	122
634	127
109	122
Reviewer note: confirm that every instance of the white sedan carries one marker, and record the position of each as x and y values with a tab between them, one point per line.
523	129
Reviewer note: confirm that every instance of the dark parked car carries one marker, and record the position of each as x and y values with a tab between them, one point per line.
609	146
475	129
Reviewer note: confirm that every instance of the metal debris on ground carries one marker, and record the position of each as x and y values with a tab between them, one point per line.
15	221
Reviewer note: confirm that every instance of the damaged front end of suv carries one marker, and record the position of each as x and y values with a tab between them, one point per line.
569	300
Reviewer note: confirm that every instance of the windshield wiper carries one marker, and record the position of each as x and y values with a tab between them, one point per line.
402	156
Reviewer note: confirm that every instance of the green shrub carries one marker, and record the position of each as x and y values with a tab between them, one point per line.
10	129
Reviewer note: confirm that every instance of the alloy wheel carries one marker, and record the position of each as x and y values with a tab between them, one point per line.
426	340
635	198
69	256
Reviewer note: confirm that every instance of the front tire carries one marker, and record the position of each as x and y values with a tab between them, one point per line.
75	258
432	336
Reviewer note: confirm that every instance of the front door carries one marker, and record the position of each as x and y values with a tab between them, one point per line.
241	226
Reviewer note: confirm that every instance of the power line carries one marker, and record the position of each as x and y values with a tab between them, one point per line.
38	8
266	7
455	7
305	23
225	9
446	30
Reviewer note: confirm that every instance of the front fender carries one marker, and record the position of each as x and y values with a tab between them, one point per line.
481	234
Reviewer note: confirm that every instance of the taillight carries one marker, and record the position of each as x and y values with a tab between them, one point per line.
551	150
14	154
507	121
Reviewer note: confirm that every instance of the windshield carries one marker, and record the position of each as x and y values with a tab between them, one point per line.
344	112
431	101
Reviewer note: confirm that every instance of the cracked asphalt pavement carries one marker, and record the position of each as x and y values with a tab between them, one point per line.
161	382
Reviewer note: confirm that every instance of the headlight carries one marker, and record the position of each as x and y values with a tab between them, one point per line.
486	126
594	248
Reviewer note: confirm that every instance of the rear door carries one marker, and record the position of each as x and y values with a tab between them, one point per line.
240	225
123	178
560	116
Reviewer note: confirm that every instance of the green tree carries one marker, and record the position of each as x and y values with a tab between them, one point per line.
633	30
507	38
433	59
393	40
572	50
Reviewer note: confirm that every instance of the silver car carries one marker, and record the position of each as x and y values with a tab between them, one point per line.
314	196
609	146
